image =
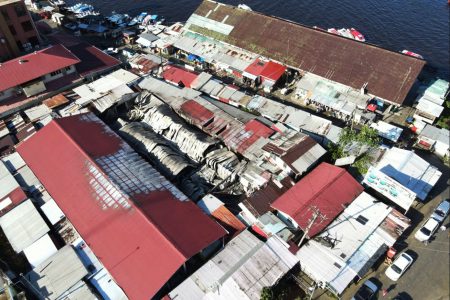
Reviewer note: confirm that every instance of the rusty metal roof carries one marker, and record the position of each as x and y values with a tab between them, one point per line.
390	75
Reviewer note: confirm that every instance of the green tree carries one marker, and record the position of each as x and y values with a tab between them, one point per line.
365	138
266	293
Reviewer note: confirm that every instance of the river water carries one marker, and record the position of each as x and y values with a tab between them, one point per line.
421	26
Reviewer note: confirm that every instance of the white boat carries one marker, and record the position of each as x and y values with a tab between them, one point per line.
80	8
346	33
87	13
244	6
57	3
410	53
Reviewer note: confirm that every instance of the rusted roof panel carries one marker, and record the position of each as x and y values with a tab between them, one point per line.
196	113
55	101
390	75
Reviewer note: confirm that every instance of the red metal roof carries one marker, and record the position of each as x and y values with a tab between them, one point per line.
196	112
256	67
327	187
34	65
176	75
273	71
16	196
139	225
240	139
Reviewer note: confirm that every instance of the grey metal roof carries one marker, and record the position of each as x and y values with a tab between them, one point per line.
7	182
58	274
149	36
239	271
13	162
438	134
23	225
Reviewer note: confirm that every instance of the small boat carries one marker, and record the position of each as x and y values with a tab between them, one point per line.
87	13
57	3
245	7
80	7
333	31
357	35
345	33
138	19
410	53
120	20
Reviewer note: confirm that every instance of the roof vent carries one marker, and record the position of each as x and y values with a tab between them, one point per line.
22	61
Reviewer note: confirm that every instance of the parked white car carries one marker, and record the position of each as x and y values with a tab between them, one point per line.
399	266
427	230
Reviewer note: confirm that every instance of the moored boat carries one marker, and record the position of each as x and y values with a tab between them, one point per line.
357	35
138	19
333	31
410	53
345	33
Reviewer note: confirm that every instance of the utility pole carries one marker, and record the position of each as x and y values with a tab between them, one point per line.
316	214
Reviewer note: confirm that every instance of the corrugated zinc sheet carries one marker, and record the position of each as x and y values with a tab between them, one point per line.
23	226
328	188
390	75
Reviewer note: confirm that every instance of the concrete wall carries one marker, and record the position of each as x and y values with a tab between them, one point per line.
34	88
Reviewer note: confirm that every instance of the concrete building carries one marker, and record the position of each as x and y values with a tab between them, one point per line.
33	74
17	30
350	245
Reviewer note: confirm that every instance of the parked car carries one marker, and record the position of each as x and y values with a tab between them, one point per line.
441	212
427	230
367	291
399	266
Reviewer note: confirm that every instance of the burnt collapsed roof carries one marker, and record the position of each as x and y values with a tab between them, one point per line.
386	74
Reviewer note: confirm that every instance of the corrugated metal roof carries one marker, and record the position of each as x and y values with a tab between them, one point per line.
23	226
327	187
337	58
239	271
438	134
37	112
120	205
57	274
178	75
352	244
31	66
412	171
259	202
429	107
40	250
198	114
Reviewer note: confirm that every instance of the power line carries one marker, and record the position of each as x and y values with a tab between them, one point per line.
316	214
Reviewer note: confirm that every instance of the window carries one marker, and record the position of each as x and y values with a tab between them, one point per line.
55	73
5	15
27	26
33	40
361	219
12	29
20	10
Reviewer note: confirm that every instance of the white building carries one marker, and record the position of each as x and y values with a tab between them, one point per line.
352	243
